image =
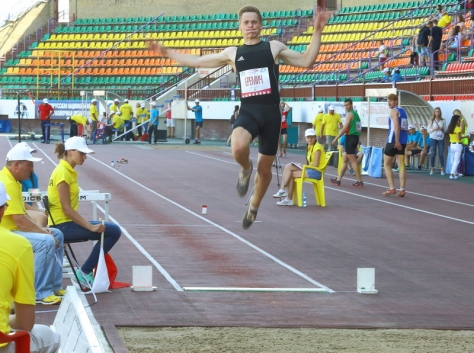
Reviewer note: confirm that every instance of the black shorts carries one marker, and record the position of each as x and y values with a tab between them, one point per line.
391	151
415	152
284	131
351	144
199	123
264	121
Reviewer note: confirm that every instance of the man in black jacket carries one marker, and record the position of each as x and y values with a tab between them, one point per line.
435	42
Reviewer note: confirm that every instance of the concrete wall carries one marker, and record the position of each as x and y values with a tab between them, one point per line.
27	24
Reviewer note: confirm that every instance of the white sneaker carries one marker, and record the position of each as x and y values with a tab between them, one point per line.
442	173
453	177
460	175
280	193
285	202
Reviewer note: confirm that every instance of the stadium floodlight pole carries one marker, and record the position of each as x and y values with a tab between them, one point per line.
19	115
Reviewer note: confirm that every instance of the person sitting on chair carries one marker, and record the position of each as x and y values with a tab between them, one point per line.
315	156
63	194
17	286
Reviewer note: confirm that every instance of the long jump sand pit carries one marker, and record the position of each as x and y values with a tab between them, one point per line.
293	340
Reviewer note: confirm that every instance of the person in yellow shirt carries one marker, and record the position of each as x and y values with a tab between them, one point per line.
330	127
142	116
75	120
445	20
116	123
17	286
127	113
455	137
114	107
317	123
63	194
315	156
94	116
47	243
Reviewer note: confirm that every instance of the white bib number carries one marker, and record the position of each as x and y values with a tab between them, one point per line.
255	82
358	126
403	124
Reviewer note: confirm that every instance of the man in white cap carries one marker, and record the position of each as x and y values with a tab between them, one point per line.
330	127
114	107
197	109
256	63
17	275
317	123
45	110
48	243
94	116
153	125
386	75
169	120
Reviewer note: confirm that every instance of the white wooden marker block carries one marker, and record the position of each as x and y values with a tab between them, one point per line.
366	281
142	279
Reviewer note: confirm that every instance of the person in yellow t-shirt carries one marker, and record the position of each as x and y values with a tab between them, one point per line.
63	193
332	123
47	243
315	156
455	137
114	107
115	123
17	286
142	116
94	116
127	113
317	123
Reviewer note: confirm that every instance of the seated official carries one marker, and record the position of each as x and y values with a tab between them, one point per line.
115	123
315	156
17	287
63	194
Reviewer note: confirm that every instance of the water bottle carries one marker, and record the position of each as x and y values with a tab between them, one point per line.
304	199
112	164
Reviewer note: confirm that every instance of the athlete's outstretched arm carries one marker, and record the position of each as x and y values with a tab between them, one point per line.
306	59
225	57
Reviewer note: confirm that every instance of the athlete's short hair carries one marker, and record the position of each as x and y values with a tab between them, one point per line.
250	9
392	97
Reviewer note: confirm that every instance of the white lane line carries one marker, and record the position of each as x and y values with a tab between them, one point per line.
411	192
146	254
263	252
367	183
403	206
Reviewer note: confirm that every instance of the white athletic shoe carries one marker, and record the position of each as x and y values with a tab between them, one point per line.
285	202
280	193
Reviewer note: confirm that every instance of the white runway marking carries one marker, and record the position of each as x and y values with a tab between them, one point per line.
263	252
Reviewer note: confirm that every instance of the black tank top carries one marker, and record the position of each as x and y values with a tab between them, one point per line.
258	74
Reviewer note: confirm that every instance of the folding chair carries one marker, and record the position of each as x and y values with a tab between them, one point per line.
67	247
21	339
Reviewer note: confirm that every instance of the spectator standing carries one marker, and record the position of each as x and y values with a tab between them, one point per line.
331	124
352	129
17	287
63	193
45	111
153	124
285	109
382	53
436	129
142	116
197	109
232	120
47	243
455	137
317	123
423	41
169	121
414	58
396	143
94	116
435	42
